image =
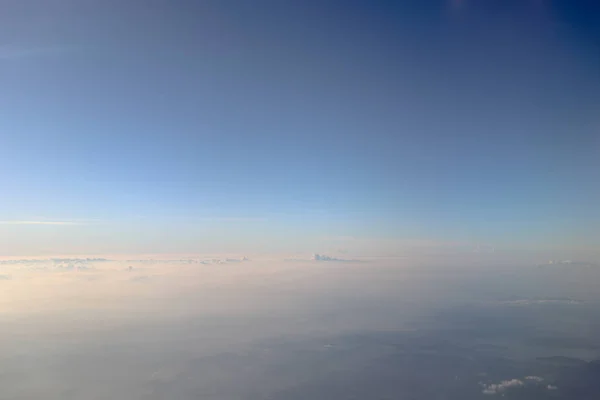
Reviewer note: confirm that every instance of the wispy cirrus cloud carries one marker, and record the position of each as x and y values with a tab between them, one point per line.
233	219
41	223
44	221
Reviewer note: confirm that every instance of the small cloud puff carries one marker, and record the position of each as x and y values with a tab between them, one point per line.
322	257
495	388
500	388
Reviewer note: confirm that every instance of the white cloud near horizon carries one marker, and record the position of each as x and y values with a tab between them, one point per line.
501	387
322	257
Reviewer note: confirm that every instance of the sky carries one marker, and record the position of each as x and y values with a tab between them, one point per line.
237	126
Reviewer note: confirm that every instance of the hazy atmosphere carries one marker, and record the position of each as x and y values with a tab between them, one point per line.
299	199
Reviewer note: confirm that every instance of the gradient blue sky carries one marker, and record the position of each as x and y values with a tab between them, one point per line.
170	126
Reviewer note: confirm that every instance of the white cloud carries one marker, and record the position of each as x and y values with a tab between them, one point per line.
322	257
569	263
495	388
525	302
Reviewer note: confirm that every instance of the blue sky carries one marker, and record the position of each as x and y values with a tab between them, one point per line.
191	126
